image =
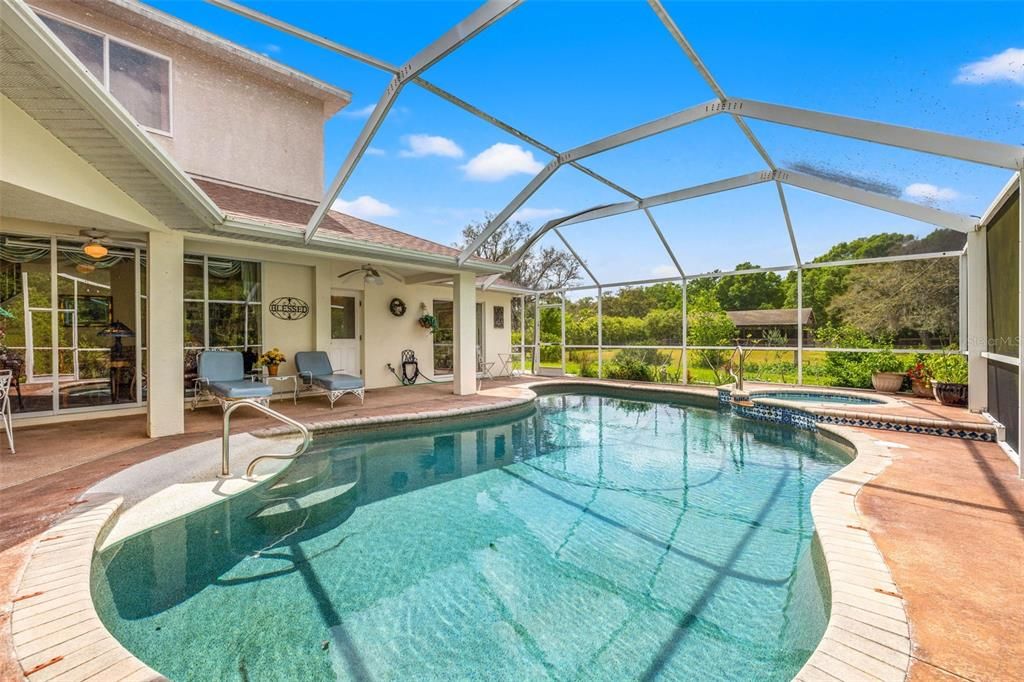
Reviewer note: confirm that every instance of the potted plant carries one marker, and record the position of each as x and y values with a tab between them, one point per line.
920	380
887	372
271	360
428	321
949	378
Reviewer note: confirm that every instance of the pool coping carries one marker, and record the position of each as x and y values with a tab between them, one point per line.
55	629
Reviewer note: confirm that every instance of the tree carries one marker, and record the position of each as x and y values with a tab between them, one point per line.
548	268
903	300
708	325
759	290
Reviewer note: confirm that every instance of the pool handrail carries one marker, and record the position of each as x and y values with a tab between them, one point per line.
225	447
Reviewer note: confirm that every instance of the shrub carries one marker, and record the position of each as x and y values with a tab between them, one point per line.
637	364
948	368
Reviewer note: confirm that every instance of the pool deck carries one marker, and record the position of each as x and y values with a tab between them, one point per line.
946	514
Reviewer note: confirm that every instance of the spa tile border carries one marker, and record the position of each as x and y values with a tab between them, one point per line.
781	411
55	630
57	633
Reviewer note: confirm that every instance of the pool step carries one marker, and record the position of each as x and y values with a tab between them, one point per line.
307	510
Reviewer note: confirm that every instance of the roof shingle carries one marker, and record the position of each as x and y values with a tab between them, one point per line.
295	213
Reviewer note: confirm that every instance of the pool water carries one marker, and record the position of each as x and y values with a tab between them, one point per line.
589	537
800	397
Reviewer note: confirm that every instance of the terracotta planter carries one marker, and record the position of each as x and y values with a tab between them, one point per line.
272	370
887	382
954	395
922	389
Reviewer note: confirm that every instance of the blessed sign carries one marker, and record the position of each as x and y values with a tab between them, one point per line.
288	308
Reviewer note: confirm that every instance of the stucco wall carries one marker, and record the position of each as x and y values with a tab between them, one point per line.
291	336
226	123
384	335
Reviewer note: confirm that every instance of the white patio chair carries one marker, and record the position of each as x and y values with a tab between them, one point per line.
484	367
6	378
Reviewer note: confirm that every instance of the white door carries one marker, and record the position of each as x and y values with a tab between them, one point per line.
345	350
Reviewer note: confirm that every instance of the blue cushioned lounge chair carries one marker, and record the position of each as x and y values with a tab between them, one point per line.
315	367
222	375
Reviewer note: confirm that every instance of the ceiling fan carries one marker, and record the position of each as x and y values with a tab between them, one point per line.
96	247
372	275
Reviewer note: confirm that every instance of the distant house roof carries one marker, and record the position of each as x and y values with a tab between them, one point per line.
171	28
779	317
295	213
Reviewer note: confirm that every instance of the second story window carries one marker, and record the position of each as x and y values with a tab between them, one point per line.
139	79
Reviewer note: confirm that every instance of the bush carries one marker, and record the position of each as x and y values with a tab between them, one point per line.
637	364
947	368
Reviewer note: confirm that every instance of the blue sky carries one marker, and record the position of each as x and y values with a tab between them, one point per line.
571	72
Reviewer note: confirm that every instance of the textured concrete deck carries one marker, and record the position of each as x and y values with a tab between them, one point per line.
948	515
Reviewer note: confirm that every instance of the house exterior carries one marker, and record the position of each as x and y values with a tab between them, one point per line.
156	184
756	324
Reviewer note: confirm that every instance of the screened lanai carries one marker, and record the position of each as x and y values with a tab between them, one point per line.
811	197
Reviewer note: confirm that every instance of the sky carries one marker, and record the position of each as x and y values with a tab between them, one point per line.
568	73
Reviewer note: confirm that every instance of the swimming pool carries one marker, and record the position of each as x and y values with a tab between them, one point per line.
818	397
589	537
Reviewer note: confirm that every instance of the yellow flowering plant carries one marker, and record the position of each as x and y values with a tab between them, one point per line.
271	358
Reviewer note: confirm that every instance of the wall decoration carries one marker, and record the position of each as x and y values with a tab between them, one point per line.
499	317
289	308
397	307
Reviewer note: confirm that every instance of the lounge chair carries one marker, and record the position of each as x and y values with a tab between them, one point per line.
315	368
222	375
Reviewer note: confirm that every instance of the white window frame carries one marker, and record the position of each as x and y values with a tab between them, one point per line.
106	66
206	301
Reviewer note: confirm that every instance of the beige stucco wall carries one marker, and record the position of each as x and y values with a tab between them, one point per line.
290	336
227	123
384	335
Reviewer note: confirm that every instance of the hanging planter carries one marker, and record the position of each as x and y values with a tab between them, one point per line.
428	321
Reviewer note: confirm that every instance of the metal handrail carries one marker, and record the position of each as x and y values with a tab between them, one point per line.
738	377
225	447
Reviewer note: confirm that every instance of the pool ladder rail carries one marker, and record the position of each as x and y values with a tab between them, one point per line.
738	376
225	447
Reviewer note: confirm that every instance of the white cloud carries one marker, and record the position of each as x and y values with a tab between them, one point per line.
930	194
430	145
375	151
362	112
1008	65
365	206
500	161
272	48
664	271
527	214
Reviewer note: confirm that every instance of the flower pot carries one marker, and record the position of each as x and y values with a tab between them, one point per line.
954	395
272	370
921	389
887	382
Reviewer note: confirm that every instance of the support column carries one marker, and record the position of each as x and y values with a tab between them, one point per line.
464	333
800	326
165	320
977	320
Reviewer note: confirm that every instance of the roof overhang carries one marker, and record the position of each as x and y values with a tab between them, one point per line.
41	76
325	243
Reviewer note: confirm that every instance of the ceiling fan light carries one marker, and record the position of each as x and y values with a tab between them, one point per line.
374	279
94	249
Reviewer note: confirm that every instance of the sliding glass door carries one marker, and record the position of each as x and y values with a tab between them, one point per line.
71	324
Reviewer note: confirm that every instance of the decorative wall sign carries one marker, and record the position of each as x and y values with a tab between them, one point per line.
499	317
397	307
289	308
